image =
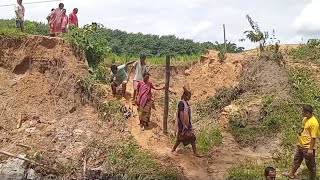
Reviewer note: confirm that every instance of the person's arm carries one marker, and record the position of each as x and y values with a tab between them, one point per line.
16	10
314	132
111	77
182	115
133	67
131	62
155	88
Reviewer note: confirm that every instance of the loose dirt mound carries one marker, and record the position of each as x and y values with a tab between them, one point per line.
39	87
38	79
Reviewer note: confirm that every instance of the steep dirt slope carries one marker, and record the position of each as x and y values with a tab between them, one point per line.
39	87
203	78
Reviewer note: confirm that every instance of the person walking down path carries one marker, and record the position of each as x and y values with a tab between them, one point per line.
139	67
73	18
183	126
65	21
55	20
19	10
119	76
307	143
144	100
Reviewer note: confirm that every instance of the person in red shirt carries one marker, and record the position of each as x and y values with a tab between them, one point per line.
73	19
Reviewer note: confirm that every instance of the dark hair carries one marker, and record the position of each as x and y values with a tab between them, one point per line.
268	170
75	9
61	4
307	108
186	92
146	74
113	66
52	9
143	56
64	9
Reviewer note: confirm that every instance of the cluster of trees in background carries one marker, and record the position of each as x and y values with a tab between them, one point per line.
132	44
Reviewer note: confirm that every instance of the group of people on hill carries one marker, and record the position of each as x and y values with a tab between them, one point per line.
58	20
142	98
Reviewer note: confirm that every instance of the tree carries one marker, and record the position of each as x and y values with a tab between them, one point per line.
256	35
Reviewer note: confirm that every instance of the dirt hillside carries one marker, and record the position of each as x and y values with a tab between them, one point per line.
44	106
40	94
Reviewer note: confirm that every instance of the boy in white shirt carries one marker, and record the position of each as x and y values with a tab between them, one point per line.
140	68
19	10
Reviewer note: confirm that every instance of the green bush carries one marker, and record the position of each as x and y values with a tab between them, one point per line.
309	51
208	137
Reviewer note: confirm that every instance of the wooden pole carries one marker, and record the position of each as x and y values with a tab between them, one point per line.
224	37
166	96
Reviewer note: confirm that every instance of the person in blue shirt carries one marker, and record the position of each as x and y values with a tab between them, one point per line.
119	76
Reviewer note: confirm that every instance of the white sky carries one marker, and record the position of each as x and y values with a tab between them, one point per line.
200	20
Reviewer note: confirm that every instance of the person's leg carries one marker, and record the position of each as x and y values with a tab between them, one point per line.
194	148
134	91
22	26
298	158
147	113
124	88
311	164
114	88
175	146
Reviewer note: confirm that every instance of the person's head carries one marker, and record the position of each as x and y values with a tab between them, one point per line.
52	9
270	173
61	6
146	76
143	57
19	2
186	94
75	10
64	11
114	68
307	111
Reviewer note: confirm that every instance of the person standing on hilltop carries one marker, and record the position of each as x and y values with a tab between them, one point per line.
144	100
65	21
73	18
119	76
19	10
184	131
307	143
55	20
48	18
140	68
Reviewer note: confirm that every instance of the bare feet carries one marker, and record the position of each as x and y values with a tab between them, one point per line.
174	153
197	155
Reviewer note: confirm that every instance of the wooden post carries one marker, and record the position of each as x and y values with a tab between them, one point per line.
166	96
224	37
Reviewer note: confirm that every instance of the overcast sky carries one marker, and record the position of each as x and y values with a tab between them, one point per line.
200	20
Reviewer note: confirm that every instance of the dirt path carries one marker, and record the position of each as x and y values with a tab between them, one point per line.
222	158
154	140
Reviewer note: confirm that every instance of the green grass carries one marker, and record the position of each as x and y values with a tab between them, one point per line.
178	59
223	97
309	51
207	138
125	158
9	31
281	117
